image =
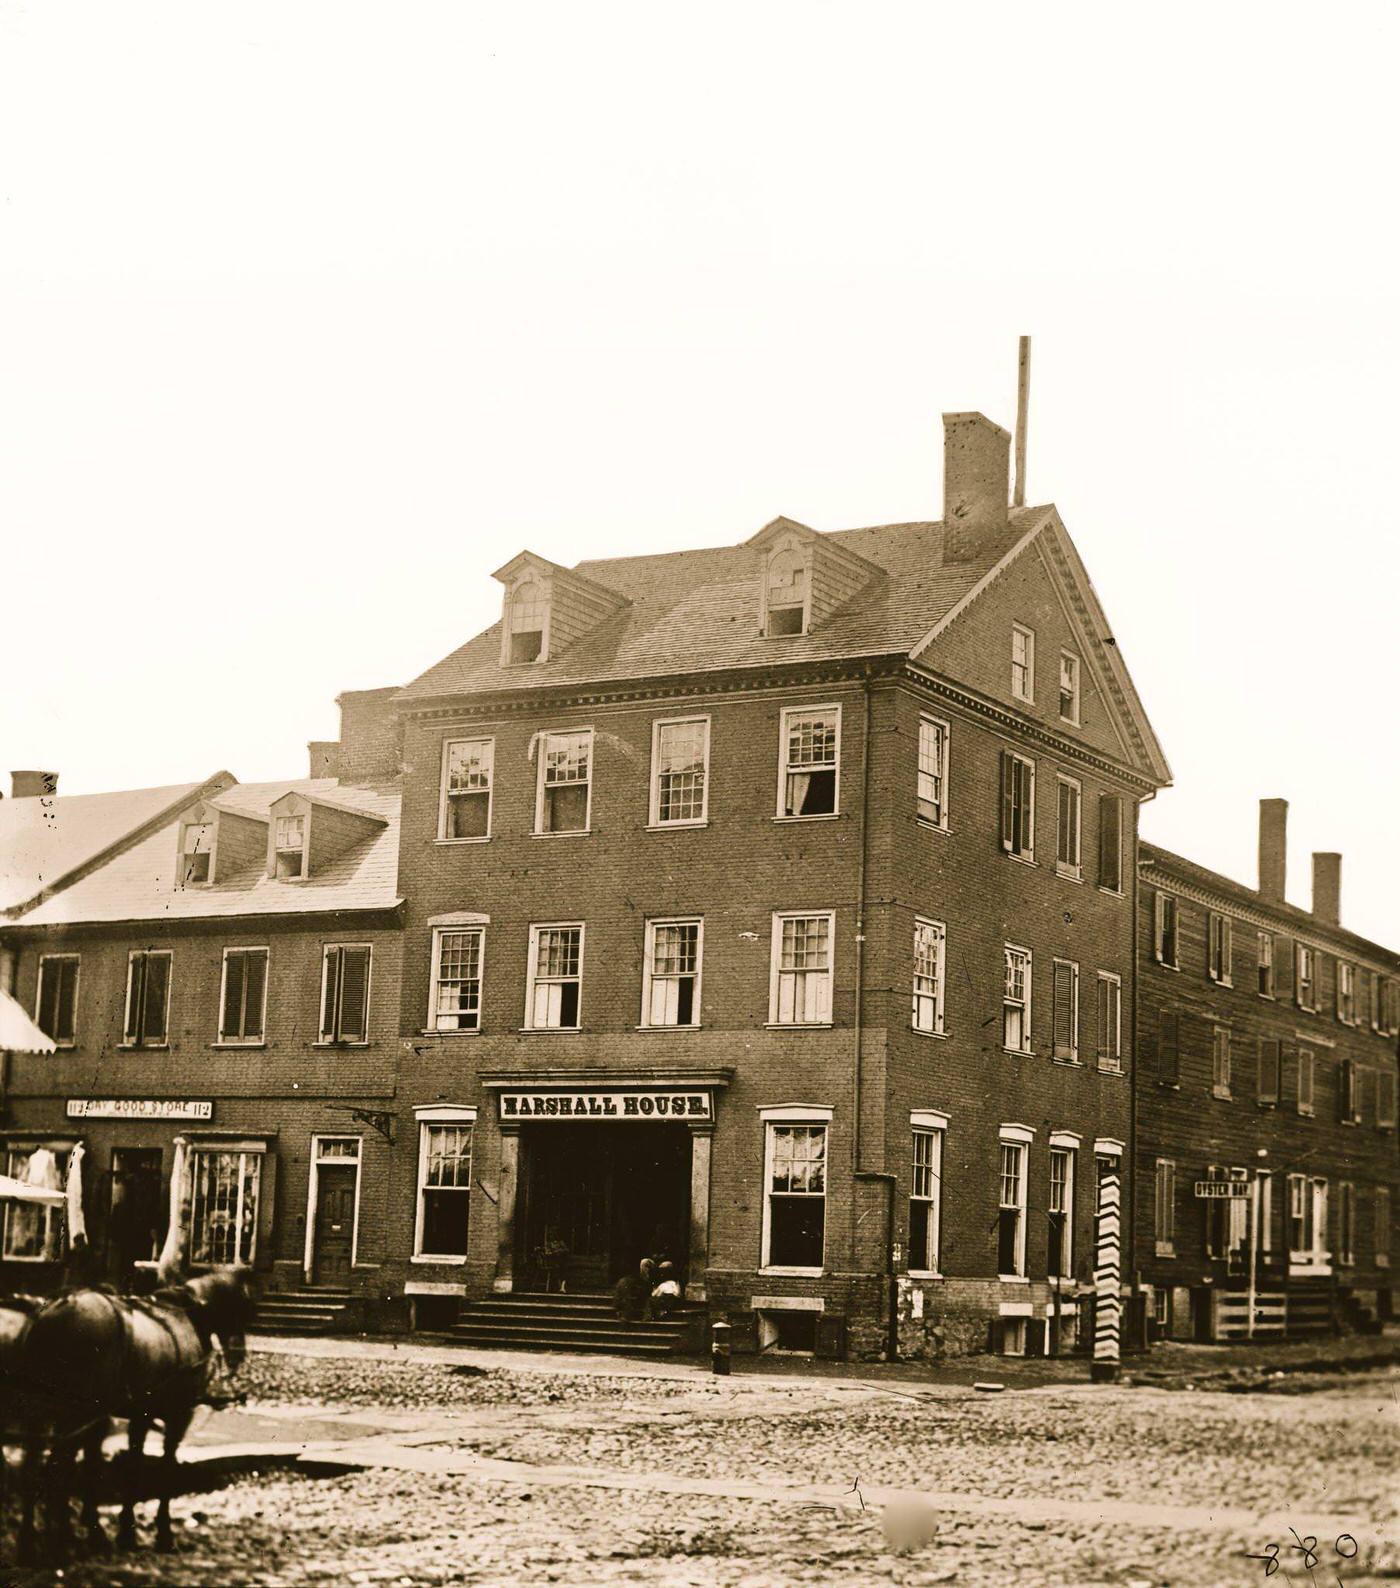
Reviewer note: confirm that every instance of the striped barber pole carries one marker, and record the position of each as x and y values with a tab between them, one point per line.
1108	1305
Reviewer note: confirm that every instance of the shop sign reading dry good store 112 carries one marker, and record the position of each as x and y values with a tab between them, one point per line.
138	1108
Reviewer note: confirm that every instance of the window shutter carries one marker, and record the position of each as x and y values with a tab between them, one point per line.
354	993
233	994
1270	1052
1008	811
1169	1047
157	985
1159	923
1064	1012
1110	841
328	996
48	997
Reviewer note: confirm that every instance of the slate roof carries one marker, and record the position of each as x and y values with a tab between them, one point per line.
139	883
699	611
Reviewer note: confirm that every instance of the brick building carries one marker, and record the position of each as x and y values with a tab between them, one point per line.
772	905
217	962
1267	1036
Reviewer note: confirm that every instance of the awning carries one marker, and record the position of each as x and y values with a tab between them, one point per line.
18	1033
20	1191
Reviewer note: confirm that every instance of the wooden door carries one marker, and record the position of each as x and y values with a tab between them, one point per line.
335	1222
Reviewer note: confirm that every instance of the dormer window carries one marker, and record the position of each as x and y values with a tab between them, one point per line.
786	594
196	853
289	854
525	623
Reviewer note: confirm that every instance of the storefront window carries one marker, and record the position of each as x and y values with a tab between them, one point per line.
33	1231
224	1210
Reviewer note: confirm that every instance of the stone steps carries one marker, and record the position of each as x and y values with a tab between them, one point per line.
559	1322
314	1309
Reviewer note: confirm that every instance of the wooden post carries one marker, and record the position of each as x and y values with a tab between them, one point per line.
1023	402
1108	1301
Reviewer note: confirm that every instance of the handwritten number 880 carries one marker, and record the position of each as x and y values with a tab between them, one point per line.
1345	1546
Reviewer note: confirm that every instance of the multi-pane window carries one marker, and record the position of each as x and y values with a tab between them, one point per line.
456	996
1164	1207
243	1007
1060	1251
56	1010
1066	1010
565	782
1381	1229
147	999
345	993
796	1226
932	792
1346	1222
1348	1093
1169	1047
224	1205
811	750
1067	845
444	1188
1306	1080
1266	964
196	849
1110	1024
289	847
1218	948
1385	1097
928	974
671	979
1016	999
1346	993
1307	1219
680	754
1017	805
1069	686
1111	842
786	593
529	609
1220	1063
1164	929
925	1188
33	1231
468	768
1305	975
801	979
1011	1211
1022	662
1389	996
1270	1069
556	978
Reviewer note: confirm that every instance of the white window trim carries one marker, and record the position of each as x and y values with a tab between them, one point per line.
1222	1089
928	1119
648	951
441	928
77	959
536	927
787	545
940	982
1071	1152
1224	977
783	763
1165	1245
774	970
921	1121
313	1186
1070	869
1299	949
526	576
131	956
1025	1134
1014	948
323	1041
226	1041
1355	979
227	1147
1027	855
437	1114
1270	964
654	797
790	1114
542	757
1111	1064
299	809
1075	673
1108	1147
1029	635
442	835
212	823
1160	901
56	1145
1017	1136
1073	967
941	825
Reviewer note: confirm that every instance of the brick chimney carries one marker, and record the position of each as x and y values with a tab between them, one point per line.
324	755
1327	888
1273	849
371	735
29	785
976	484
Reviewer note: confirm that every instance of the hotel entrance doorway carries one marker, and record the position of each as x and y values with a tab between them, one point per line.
597	1198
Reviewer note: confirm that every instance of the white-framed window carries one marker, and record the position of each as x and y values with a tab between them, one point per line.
1110	1021
794	1209
785	592
800	992
931	799
1065	1009
458	955
147	1022
1266	1212
925	1196
1218	952
1016	1000
554	994
1266	964
1069	687
809	768
1346	1223
1068	803
345	974
1017	805
226	1182
1022	662
243	995
1111	842
671	973
563	800
929	957
1011	1209
527	624
1307	1220
1164	941
1385	1097
468	771
1164	1207
1349	1092
1389	996
1346	993
33	1231
56	1003
1381	1234
680	771
1060	1247
1305	976
1307	1078
1220	1063
196	854
442	1221
289	847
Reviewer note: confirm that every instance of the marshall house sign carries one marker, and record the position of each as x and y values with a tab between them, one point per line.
693	1107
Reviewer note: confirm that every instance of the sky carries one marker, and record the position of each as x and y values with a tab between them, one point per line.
313	315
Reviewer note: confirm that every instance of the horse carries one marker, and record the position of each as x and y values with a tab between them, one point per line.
148	1359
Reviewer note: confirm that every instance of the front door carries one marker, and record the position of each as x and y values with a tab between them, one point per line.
335	1222
136	1217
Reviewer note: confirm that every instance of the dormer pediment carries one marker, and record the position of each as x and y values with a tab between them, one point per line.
198	830
546	607
305	832
806	576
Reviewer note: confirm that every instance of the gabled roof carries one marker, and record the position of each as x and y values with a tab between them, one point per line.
44	840
139	882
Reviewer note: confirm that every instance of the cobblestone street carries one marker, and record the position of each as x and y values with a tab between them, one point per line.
415	1470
